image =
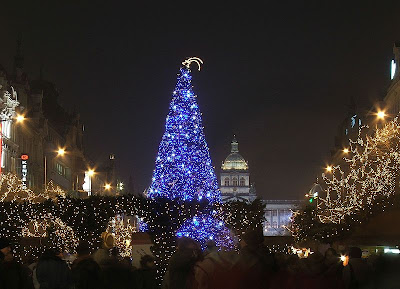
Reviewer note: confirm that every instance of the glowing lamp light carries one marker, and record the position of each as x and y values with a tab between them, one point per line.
91	172
20	118
328	169
107	187
61	152
346	150
381	114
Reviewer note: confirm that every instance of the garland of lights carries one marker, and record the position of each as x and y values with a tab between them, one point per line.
122	232
364	185
371	170
88	218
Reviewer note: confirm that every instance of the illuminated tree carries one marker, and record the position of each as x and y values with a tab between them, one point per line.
370	171
122	232
183	168
12	189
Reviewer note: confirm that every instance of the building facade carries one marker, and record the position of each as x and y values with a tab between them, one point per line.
278	214
235	177
47	146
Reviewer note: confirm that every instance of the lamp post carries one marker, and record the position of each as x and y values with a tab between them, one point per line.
91	173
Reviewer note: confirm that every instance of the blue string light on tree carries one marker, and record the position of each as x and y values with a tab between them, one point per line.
204	227
183	169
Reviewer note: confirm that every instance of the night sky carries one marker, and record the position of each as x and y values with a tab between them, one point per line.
279	76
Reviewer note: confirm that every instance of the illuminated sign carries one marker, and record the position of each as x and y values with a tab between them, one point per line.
393	69
24	169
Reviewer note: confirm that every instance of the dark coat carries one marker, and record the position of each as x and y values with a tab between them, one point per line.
86	274
181	269
145	278
53	273
256	266
14	275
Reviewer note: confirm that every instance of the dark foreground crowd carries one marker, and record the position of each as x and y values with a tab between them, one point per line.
253	267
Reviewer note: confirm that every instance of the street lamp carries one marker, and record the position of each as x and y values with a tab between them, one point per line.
107	187
381	114
346	150
90	173
328	169
20	118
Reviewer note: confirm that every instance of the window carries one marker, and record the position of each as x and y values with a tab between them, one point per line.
235	182
6	128
274	213
226	182
61	170
242	182
274	224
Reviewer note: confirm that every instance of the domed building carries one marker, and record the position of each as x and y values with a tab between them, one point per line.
235	177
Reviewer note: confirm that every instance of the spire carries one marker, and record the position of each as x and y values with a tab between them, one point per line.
234	145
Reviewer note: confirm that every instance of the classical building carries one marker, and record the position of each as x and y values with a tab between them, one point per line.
235	178
278	214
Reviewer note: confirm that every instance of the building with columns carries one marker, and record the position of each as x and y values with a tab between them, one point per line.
278	214
235	177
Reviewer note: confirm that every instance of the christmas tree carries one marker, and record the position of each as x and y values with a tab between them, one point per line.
183	170
183	167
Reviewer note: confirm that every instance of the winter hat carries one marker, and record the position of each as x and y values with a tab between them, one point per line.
253	237
4	243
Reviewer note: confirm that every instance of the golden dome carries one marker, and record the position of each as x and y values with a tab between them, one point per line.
235	161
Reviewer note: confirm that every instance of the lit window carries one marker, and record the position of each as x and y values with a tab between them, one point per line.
242	182
226	182
235	182
6	128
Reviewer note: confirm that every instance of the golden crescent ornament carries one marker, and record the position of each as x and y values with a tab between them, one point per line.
196	60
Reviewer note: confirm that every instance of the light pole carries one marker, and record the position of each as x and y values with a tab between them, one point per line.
91	174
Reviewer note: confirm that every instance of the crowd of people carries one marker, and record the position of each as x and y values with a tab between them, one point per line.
190	267
103	269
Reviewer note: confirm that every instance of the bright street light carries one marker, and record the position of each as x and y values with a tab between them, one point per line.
61	152
381	114
107	186
91	172
20	118
346	150
329	169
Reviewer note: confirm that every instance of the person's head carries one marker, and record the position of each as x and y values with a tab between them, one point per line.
252	238
187	243
147	261
127	261
354	252
114	252
5	249
211	246
83	249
